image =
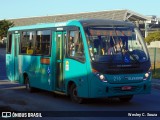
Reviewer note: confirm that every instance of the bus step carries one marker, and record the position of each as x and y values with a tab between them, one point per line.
59	92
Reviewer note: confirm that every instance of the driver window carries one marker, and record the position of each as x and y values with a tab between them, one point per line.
75	46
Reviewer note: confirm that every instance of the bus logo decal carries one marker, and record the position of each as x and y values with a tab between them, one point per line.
48	70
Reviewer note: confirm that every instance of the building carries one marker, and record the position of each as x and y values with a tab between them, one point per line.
145	23
114	14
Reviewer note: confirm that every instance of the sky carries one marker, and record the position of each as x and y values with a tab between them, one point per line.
13	9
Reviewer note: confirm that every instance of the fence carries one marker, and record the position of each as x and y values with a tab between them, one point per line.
155	60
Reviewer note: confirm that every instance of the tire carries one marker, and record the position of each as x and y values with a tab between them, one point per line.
126	98
74	95
27	84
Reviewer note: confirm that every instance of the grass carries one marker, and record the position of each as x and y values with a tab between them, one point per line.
156	73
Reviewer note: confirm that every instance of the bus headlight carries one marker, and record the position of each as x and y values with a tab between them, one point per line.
146	75
100	76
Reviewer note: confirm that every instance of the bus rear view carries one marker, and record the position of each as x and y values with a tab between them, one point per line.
119	59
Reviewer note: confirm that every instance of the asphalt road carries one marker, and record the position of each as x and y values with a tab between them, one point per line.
19	99
14	97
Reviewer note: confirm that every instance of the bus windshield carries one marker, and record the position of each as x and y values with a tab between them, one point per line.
118	44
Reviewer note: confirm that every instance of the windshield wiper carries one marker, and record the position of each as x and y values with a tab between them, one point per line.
134	58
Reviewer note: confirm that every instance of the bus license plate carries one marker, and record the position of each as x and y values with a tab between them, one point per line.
126	88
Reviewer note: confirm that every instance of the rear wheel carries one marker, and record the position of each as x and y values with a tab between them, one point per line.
126	98
74	94
28	87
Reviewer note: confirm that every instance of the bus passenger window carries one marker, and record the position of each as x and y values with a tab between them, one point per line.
9	44
75	45
43	42
27	41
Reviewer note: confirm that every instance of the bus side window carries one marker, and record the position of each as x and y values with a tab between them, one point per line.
27	42
9	43
75	46
43	42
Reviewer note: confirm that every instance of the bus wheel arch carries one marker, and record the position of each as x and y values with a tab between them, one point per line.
27	82
69	86
24	77
72	91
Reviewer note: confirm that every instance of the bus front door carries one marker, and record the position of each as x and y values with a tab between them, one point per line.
60	39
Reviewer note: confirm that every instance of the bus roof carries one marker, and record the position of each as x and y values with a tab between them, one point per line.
109	22
84	22
37	26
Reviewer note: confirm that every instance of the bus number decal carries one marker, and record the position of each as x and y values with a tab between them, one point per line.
117	78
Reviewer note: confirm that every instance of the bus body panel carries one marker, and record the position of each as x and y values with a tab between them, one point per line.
105	89
10	66
76	71
12	59
56	71
124	78
36	71
87	86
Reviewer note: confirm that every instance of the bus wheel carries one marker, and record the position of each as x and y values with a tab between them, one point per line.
125	98
74	94
28	87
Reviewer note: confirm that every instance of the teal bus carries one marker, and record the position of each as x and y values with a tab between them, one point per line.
88	58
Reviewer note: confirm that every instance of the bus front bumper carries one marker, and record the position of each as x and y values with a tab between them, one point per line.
113	90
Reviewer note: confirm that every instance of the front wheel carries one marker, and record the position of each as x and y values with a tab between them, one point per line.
74	94
125	98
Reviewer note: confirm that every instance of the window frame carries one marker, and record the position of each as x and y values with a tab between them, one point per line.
21	41
9	43
75	28
34	41
50	42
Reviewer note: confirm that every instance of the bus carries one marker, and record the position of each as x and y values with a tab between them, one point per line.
86	58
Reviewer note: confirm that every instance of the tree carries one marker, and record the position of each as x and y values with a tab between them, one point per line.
4	26
154	36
